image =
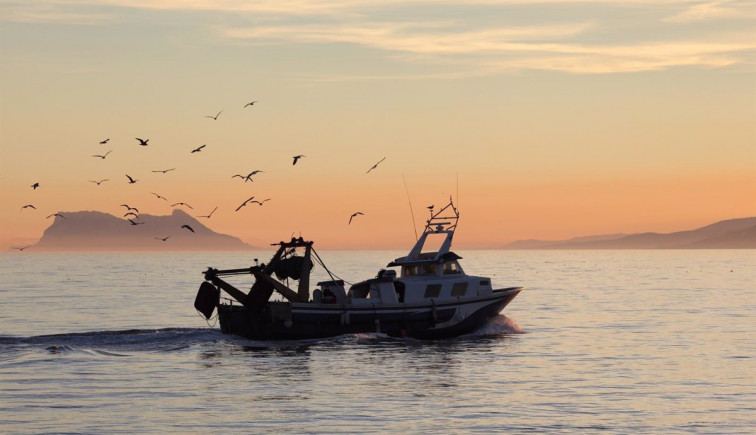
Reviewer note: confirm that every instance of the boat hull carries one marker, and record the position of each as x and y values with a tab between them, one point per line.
292	321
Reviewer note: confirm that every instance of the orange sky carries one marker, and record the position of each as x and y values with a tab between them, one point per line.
614	118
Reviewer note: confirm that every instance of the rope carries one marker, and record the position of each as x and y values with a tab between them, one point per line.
332	275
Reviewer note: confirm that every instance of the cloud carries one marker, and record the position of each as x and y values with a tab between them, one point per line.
707	11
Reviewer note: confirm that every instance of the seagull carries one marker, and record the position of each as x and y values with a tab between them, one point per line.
187	227
198	149
131	180
244	203
353	215
159	197
21	248
130	208
182	203
297	158
260	202
211	213
131	213
34	186
250	104
136	223
99	182
103	142
164	170
214	117
55	214
375	165
29	206
142	142
102	156
163	238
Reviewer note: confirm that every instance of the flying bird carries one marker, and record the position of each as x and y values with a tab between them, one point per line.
99	182
29	206
130	208
142	142
198	149
353	216
102	156
103	142
182	203
163	238
187	227
244	203
164	170
136	223
260	202
34	186
55	214
21	248
131	213
209	215
214	117
159	197
250	104
375	165
297	158
131	180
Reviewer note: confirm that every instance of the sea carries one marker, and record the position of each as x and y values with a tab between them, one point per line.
638	341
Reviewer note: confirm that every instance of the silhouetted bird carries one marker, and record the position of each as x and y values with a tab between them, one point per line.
297	158
187	227
244	203
130	208
29	206
353	215
142	142
260	202
131	180
102	156
209	215
164	170
163	238
99	182
159	197
214	117
375	165
56	214
198	149
21	248
182	203
131	213
103	142
250	104
34	186
136	223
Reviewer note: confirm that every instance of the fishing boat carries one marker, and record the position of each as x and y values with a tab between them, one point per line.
425	294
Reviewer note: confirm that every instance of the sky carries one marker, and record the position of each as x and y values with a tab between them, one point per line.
542	119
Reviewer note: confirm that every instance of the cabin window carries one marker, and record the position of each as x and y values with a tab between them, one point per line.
485	283
459	289
433	290
429	269
451	268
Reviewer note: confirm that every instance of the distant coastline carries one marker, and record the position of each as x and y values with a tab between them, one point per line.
93	231
727	234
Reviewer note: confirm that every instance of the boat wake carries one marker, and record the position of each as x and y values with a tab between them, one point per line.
499	325
114	343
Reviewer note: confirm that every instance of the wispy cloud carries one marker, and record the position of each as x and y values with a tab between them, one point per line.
710	11
473	44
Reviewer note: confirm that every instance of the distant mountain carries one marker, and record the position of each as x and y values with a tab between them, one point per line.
728	234
97	231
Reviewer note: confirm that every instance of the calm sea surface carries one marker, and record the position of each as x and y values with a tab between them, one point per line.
617	341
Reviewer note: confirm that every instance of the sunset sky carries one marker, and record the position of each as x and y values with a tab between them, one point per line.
544	119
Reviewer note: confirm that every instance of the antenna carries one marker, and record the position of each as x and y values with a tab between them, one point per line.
410	206
457	189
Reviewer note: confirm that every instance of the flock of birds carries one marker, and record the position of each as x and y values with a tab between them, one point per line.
132	213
